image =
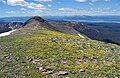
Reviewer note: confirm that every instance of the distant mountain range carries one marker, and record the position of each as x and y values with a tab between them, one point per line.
84	18
107	32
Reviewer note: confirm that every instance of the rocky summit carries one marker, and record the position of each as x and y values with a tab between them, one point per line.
35	21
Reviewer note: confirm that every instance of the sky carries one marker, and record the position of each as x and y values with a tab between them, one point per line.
10	8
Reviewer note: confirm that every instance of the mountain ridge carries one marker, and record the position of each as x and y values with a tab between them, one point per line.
74	28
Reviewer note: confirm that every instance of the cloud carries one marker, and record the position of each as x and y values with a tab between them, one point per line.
73	11
100	0
25	4
49	5
83	11
36	6
16	2
91	3
2	1
43	0
91	0
22	9
65	9
15	12
81	0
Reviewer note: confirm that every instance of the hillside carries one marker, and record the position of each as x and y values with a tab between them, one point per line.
41	53
106	32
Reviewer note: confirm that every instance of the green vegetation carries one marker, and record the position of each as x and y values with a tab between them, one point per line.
44	53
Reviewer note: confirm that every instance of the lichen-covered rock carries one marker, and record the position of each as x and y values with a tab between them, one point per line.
63	73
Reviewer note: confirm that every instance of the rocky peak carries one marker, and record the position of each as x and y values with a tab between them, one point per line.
35	21
37	18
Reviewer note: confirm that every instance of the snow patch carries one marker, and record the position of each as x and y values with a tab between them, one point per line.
81	36
6	33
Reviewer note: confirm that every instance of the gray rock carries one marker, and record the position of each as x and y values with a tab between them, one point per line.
48	68
44	70
49	72
63	62
67	77
40	68
9	60
36	61
63	73
82	70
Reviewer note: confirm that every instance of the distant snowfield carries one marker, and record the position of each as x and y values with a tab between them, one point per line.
81	36
6	33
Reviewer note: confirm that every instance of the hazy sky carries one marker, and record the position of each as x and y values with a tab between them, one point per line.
58	7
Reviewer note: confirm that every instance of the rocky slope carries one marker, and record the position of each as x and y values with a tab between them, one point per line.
5	27
92	32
